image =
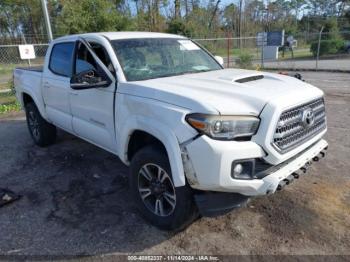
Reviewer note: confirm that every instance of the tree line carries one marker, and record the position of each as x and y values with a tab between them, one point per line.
193	18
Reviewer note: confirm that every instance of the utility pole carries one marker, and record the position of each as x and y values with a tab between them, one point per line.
177	14
318	47
240	23
47	20
308	26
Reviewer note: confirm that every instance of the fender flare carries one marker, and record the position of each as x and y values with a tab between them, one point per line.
39	105
165	135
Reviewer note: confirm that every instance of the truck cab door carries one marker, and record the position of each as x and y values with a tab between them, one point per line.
92	107
56	84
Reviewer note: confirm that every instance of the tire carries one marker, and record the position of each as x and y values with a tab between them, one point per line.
42	132
178	207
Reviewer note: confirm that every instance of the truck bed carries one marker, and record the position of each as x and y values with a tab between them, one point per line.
32	68
28	80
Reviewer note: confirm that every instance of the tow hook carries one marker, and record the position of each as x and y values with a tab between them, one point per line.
295	175
306	166
289	179
281	185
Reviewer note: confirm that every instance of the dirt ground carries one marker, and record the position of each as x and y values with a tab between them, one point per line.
75	200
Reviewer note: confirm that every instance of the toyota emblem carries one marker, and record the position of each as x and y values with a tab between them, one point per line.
308	117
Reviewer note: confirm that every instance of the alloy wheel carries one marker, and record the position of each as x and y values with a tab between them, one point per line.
34	125
156	190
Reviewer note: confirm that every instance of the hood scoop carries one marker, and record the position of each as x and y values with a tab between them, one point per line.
244	78
249	78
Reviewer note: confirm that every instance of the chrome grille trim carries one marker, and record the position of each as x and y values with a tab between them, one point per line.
290	131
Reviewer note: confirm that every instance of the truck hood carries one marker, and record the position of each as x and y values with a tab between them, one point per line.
226	91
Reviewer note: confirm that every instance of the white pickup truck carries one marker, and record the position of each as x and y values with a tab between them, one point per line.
199	139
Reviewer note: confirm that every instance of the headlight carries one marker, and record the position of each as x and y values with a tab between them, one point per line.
224	127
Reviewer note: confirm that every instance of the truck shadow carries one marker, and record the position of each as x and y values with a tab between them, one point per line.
76	199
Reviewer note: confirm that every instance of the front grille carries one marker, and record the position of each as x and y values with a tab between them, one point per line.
295	125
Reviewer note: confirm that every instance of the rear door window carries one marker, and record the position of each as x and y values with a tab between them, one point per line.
61	59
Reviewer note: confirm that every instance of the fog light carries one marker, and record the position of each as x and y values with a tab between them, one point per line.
237	170
243	169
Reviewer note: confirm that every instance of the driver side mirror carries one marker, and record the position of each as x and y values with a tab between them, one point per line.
88	79
219	59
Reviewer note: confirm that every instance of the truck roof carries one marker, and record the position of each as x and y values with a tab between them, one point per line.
121	35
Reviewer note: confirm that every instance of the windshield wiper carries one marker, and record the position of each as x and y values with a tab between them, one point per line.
179	73
197	71
171	74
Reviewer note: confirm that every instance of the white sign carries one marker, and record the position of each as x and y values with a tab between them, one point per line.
187	45
261	39
26	51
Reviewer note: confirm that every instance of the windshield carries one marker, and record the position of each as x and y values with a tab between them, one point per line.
143	59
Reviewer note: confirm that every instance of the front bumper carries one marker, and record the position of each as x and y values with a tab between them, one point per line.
208	165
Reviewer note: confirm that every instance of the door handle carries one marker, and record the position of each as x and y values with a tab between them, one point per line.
73	94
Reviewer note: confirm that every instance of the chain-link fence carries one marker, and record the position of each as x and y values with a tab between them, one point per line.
237	52
10	59
334	52
9	55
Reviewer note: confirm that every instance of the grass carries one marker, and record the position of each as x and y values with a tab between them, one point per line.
298	53
236	52
5	75
8	103
7	69
8	108
4	86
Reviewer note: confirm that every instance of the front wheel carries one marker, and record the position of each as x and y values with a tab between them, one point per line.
159	201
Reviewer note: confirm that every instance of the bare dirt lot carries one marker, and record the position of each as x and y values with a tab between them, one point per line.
75	200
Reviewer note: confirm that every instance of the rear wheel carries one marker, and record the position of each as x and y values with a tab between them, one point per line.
159	201
42	132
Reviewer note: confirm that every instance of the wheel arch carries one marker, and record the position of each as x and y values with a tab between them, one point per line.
140	139
27	97
151	132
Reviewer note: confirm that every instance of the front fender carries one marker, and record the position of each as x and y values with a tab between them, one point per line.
162	133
